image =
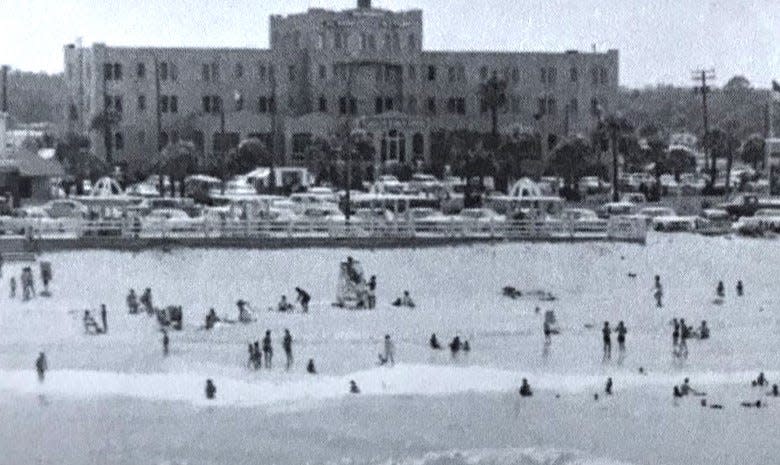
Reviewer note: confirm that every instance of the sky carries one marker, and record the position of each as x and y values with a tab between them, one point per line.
660	41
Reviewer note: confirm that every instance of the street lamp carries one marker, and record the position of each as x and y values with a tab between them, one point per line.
356	137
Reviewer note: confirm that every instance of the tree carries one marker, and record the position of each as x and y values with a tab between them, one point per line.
251	153
177	160
617	129
753	150
77	161
511	154
737	82
493	97
105	121
657	152
573	158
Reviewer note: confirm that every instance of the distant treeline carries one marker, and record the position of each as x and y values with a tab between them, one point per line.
36	97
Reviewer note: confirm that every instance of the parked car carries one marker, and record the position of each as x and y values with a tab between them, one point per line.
593	185
763	221
66	208
482	215
674	223
633	197
617	209
649	213
170	220
713	222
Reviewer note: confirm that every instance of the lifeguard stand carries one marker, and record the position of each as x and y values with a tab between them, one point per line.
351	289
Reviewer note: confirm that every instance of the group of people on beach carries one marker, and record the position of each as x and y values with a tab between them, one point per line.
455	345
259	356
135	304
606	337
681	332
91	326
27	280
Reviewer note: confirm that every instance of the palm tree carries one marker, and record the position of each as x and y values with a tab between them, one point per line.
493	97
177	160
616	129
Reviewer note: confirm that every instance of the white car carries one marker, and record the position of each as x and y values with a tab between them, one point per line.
65	208
674	223
617	209
482	215
649	213
633	197
142	189
170	220
373	215
763	221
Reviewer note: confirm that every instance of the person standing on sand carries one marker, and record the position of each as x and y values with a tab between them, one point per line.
287	346
268	349
41	366
303	298
389	351
675	334
659	292
606	334
621	337
685	333
740	288
165	342
211	390
12	284
132	302
547	332
104	317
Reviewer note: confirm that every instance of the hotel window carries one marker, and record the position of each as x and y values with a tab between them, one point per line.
515	75
215	71
389	104
594	76
291	73
378	105
338	39
574	74
296	39
118	105
483	73
163	71
323	105
262	105
603	75
412	71
342	105
452	74
412	42
552	107
371	42
119	141
238	101
387	43
461	106
141	103
117	71
431	105
396	42
411	107
140	71
238	72
141	137
352	106
206	72
552	75
574	106
431	73
364	41
515	105
322	39
323	72
163	104
541	106
108	71
261	72
543	75
163	140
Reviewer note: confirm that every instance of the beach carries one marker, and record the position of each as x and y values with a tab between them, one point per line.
124	402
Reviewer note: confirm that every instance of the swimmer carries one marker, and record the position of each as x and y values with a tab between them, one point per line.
211	390
608	387
606	334
434	342
740	288
720	291
525	389
310	367
353	387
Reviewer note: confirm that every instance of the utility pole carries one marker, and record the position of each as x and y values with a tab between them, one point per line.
700	77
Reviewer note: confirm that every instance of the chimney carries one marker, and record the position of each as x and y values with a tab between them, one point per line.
364	4
4	101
